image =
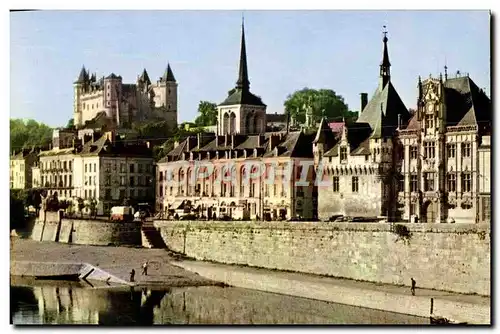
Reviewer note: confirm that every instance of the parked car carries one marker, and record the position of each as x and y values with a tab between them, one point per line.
334	218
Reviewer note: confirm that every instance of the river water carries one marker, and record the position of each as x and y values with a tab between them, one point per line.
58	302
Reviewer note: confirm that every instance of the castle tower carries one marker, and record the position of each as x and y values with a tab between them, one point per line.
112	97
164	95
78	90
241	112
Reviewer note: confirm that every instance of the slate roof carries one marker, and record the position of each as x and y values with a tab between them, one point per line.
145	77
168	75
241	93
103	147
240	96
83	76
291	144
113	76
381	112
324	135
465	103
358	137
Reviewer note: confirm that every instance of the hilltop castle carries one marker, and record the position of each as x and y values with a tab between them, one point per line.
108	101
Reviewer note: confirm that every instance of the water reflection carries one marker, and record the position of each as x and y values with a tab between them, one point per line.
78	304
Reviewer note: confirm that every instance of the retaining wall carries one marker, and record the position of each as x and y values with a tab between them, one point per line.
451	257
51	227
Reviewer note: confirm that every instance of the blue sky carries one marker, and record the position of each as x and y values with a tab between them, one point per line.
287	50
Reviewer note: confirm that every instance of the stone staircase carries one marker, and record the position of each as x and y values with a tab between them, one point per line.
151	237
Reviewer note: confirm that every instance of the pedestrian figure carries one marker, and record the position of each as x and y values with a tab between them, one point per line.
145	268
132	275
413	283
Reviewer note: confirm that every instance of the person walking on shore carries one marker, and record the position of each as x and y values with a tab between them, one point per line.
145	268
413	284
132	275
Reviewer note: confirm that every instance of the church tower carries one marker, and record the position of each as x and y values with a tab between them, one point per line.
241	112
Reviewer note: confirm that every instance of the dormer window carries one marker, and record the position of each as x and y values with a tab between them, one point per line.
343	153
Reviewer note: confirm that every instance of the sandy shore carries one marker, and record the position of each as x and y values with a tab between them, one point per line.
118	261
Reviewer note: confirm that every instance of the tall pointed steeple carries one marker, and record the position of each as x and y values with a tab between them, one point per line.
385	66
168	76
243	82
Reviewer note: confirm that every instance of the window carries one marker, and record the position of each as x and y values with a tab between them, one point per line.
486	208
367	157
466	150
355	184
451	182
429	121
139	169
122	180
148	168
336	184
70	166
161	176
343	153
252	190
131	181
466	182
70	181
451	149
86	193
413	183
107	181
401	181
122	193
131	168
429	150
275	190
107	194
123	168
413	152
65	165
95	168
428	181
85	168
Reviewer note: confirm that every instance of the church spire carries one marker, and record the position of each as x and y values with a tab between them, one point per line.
385	66
243	82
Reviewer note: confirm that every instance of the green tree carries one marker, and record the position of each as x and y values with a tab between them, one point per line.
71	123
81	205
26	134
324	102
207	114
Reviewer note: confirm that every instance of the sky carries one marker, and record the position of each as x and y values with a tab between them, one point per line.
286	50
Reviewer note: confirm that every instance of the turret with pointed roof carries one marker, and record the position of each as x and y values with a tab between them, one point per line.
83	76
168	76
144	78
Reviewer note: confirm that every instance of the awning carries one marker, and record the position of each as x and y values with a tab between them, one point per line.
176	205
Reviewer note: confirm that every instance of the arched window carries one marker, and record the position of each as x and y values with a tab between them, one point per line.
225	123
232	123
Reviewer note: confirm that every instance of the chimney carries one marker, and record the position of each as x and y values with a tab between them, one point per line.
199	137
399	121
364	101
261	140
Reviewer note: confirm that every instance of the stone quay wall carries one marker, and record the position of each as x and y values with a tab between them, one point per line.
51	226
450	257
